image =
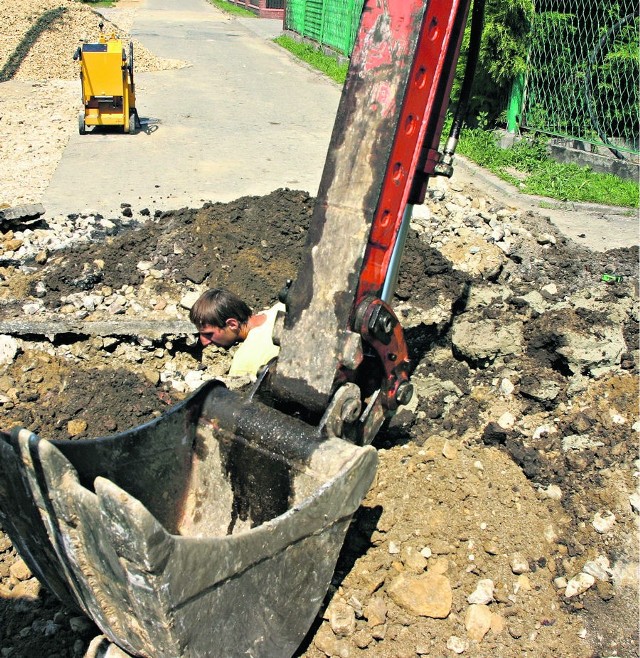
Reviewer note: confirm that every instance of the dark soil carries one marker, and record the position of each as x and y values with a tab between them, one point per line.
251	245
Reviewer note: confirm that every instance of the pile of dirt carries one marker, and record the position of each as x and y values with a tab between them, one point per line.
503	517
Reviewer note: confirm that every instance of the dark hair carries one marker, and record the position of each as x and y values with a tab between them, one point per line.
215	306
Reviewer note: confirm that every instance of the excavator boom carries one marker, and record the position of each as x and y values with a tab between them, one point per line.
383	148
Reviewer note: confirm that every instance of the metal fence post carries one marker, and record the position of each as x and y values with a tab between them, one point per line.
514	111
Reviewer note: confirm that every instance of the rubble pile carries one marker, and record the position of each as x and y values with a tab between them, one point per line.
503	517
52	30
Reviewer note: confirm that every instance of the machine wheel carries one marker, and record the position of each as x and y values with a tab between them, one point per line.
82	126
132	122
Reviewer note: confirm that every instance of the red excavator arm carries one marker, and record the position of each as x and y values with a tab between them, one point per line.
383	149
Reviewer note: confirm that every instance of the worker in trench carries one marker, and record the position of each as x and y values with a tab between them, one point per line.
224	319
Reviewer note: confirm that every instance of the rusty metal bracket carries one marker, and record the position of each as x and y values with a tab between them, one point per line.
381	329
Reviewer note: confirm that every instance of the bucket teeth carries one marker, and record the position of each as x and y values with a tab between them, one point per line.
84	545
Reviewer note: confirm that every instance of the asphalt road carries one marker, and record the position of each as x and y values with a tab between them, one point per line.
244	118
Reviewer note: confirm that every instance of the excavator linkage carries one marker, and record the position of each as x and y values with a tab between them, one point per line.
214	530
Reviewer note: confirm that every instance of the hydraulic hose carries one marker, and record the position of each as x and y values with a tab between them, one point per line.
444	166
475	38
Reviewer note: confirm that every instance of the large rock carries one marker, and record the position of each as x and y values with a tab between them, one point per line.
8	349
599	347
477	621
471	253
483	341
427	595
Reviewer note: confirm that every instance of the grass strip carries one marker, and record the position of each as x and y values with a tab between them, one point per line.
528	166
326	64
231	8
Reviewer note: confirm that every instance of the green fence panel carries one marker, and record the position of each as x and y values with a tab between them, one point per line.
341	24
294	16
332	23
313	20
583	72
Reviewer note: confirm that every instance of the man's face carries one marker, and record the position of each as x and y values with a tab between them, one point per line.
221	336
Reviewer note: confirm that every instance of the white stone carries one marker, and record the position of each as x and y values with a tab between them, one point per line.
579	442
507	420
579	584
483	593
8	348
552	492
617	418
519	563
31	308
194	379
506	387
544	430
394	549
189	299
634	501
598	568
603	522
456	644
505	246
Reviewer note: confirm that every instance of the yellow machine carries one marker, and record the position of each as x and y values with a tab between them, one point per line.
108	92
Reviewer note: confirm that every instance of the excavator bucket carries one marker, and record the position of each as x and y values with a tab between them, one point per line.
213	530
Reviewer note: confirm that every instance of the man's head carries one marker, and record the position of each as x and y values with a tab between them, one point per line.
220	317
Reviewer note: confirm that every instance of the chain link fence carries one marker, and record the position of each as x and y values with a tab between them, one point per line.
583	73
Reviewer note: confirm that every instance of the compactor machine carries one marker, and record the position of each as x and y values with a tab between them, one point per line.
214	530
106	76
